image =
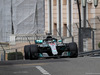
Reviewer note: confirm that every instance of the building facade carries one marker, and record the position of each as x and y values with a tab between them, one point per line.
62	16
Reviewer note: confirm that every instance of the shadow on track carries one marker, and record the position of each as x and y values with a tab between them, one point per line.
42	60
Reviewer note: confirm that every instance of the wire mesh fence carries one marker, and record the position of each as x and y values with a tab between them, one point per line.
92	42
88	43
12	54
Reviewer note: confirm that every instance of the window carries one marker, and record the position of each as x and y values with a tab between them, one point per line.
55	29
54	2
65	30
64	2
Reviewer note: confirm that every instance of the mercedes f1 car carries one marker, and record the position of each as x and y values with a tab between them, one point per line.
51	46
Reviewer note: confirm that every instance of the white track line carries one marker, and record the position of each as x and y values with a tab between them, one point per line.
42	70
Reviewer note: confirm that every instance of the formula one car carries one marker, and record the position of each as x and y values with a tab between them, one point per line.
51	46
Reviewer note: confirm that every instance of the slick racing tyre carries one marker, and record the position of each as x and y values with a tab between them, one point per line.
73	50
27	52
34	52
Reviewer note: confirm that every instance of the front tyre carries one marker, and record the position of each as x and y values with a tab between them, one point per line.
34	55
73	50
27	52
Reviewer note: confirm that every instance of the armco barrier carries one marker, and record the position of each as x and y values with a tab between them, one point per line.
90	53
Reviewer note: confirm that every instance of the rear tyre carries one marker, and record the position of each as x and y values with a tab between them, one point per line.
34	52
73	50
27	52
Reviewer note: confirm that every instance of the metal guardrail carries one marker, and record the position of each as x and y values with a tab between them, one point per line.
90	53
23	38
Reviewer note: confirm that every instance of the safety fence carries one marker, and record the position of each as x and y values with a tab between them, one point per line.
12	54
90	44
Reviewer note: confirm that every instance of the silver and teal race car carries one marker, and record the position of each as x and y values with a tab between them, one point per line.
51	46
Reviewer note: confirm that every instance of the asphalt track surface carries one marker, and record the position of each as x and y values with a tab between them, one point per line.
62	66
